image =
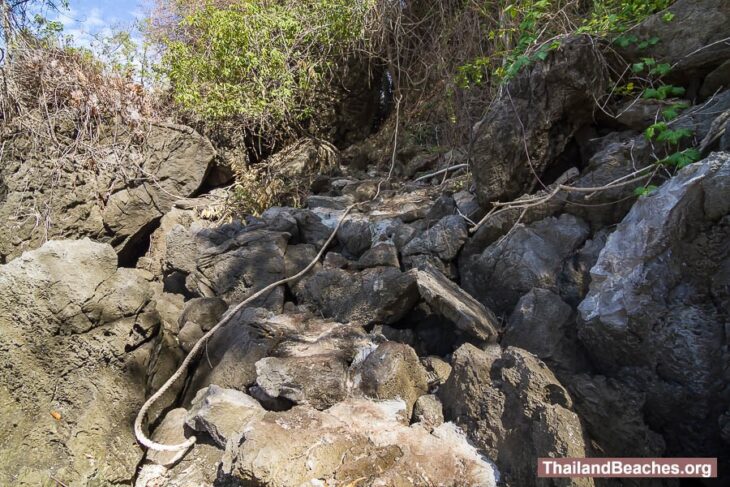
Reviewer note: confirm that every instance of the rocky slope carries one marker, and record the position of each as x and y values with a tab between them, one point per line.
418	351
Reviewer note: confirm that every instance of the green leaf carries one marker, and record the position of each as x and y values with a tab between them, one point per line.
668	16
637	67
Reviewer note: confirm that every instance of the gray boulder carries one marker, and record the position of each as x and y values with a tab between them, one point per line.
694	41
513	408
381	294
653	316
539	112
528	257
242	265
74	343
544	325
450	301
443	240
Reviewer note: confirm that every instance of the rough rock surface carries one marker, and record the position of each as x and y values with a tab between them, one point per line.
530	256
694	41
393	371
172	164
544	325
453	303
514	409
543	107
72	367
367	443
652	314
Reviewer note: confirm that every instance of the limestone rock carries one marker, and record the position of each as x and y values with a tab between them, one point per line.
514	409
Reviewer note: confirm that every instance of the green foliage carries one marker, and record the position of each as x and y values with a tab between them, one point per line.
663	92
615	16
645	190
682	158
259	60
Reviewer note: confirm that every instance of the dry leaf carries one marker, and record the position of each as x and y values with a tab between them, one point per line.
56	415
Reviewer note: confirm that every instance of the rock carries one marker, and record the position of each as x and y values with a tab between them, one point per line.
242	265
355	237
716	81
189	335
514	409
221	413
198	467
612	411
229	359
171	431
653	317
438	370
428	411
529	257
367	443
453	303
639	114
311	359
467	203
575	277
384	254
382	294
426	262
544	325
566	84
205	312
393	371
72	368
166	352
691	42
303	160
619	156
89	204
443	240
320	381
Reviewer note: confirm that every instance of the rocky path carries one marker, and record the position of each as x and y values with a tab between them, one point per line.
418	350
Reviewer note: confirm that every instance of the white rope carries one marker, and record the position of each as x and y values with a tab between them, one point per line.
184	446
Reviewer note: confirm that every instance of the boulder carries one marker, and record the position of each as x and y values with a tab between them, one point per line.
513	408
544	325
450	301
367	443
694	41
384	254
74	344
428	411
653	316
206	312
220	413
393	371
242	265
443	240
230	356
612	410
530	256
170	164
303	160
380	294
539	113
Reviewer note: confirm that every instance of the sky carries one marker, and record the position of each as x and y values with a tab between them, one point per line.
86	19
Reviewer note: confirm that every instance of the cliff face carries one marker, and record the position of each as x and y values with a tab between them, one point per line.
449	335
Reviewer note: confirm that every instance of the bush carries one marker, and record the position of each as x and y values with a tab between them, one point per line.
262	61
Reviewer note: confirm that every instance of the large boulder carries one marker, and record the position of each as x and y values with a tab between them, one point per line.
657	306
530	256
693	41
73	333
380	294
527	129
355	442
513	408
118	206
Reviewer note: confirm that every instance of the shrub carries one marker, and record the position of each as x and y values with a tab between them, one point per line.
262	61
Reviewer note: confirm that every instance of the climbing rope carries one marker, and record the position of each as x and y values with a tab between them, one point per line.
184	446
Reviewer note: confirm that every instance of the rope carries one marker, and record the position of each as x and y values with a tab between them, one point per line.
184	446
